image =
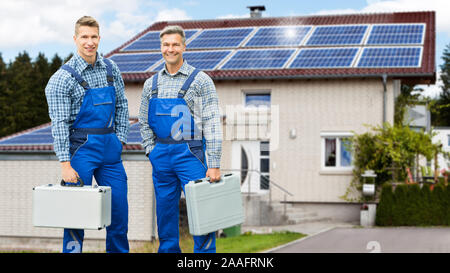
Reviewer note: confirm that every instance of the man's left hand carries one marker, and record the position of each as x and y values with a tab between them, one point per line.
213	174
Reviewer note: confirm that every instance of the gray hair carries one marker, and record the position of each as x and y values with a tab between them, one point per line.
173	30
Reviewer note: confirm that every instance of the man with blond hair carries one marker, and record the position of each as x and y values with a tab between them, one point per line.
180	125
89	113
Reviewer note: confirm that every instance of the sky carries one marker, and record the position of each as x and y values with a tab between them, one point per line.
47	26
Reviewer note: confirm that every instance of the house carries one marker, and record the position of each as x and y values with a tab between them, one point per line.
291	91
442	136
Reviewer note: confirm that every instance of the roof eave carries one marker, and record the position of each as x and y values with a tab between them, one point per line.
415	78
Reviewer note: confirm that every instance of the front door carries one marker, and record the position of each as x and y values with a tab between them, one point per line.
246	156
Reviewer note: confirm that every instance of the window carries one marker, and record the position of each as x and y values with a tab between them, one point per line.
257	100
336	151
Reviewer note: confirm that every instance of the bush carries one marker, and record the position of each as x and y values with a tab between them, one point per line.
411	205
384	210
389	151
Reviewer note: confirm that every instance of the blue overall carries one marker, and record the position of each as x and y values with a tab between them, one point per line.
177	158
96	151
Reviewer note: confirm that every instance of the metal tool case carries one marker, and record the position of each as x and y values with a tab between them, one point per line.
77	207
214	206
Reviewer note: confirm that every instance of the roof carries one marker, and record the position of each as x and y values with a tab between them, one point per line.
39	139
424	73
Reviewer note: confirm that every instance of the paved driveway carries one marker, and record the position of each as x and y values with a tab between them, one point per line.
366	240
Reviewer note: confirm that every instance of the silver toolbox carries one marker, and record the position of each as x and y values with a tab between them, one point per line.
214	206
78	207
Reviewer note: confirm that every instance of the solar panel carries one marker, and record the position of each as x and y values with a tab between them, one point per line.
324	57
220	38
278	36
41	136
135	62
151	41
396	34
44	136
134	134
204	60
256	59
390	57
338	35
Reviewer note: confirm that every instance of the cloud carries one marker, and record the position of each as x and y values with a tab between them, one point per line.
174	14
25	23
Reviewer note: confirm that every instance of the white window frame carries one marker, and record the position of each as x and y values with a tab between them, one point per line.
338	136
253	108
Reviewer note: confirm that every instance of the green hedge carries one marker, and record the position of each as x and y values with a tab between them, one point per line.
412	205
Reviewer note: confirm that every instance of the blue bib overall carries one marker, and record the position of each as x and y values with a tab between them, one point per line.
177	158
96	151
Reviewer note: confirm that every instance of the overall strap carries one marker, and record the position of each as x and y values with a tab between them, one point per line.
109	74
77	76
154	93
188	83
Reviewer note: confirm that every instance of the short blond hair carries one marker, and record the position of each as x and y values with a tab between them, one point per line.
173	30
86	21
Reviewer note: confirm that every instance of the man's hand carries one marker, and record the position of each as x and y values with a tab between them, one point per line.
213	174
68	173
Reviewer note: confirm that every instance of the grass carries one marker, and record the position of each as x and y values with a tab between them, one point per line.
245	243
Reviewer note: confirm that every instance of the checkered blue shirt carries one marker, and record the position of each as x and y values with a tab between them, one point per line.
201	96
65	96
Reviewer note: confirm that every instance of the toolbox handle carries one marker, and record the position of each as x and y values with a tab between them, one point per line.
208	179
70	184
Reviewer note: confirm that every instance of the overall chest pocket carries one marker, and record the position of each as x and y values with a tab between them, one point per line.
167	118
101	96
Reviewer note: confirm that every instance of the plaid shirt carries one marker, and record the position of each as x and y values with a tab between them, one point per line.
201	96
65	96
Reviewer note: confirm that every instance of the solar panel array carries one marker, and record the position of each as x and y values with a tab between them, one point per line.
284	47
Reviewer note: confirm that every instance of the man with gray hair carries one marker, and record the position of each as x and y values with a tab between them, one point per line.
180	126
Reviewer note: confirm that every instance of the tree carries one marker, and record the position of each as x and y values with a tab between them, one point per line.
3	85
22	97
441	111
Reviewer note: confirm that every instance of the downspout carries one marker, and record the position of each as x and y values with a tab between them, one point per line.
384	77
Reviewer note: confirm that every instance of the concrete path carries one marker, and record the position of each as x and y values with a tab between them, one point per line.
371	240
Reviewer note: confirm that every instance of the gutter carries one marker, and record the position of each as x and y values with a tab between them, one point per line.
384	78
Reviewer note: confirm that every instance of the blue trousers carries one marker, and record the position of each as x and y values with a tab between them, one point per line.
99	156
174	165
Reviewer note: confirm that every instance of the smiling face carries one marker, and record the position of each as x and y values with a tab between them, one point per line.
172	48
86	40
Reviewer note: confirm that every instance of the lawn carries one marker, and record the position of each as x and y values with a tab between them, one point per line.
245	243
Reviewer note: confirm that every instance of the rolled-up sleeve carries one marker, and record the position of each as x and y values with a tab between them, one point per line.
122	124
148	138
58	100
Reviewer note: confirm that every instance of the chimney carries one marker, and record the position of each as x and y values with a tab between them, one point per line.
256	11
